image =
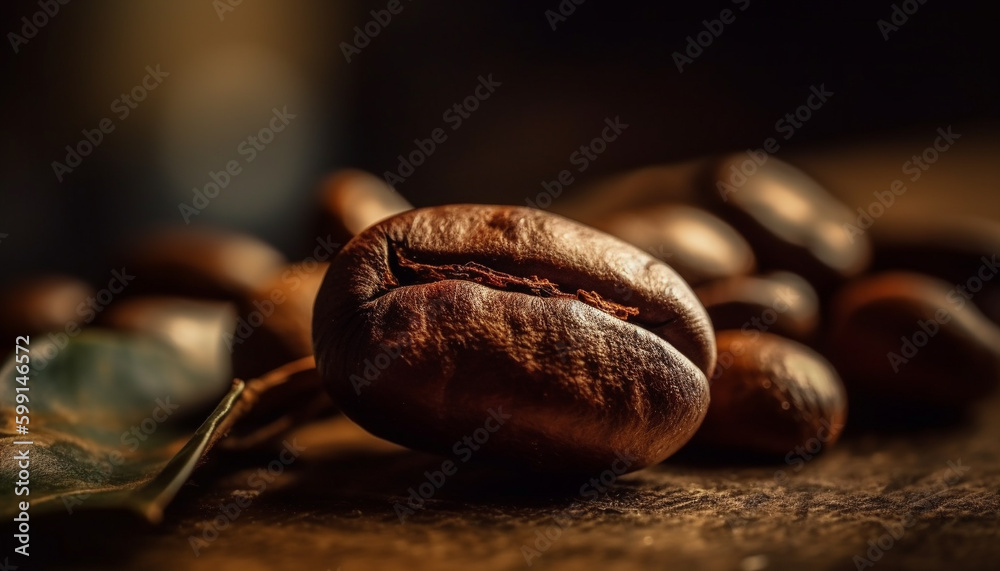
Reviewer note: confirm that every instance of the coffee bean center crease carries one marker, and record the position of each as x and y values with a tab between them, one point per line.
411	272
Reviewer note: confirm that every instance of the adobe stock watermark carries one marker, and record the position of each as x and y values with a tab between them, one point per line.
258	482
699	42
787	126
30	26
464	449
87	310
754	327
363	35
591	490
795	459
562	12
131	439
248	148
454	117
926	330
581	158
390	349
899	16
292	278
916	166
122	107
223	7
878	546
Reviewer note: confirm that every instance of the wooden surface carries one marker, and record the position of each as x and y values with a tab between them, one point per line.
333	508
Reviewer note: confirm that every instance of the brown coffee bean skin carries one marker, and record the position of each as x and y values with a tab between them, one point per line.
352	200
42	304
286	334
791	221
430	320
769	396
960	250
696	244
201	262
782	303
957	365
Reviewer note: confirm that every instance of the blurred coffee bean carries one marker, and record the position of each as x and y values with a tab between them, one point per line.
780	302
274	323
200	262
274	328
964	251
647	186
909	339
43	304
198	329
772	397
696	244
352	200
791	221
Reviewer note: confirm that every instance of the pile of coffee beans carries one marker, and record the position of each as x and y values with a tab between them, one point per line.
225	301
729	313
744	315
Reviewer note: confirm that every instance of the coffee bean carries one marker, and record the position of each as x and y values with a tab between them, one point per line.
571	346
197	329
275	328
902	338
963	251
352	200
697	245
791	221
647	186
201	262
771	396
43	304
780	302
275	322
207	337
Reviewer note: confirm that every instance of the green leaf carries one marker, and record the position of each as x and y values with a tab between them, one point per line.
109	422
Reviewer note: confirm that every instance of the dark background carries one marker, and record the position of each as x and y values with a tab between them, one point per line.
607	59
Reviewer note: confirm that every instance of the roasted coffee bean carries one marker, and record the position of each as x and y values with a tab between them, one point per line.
901	338
43	304
534	340
782	303
198	329
274	325
352	200
201	262
697	245
770	397
791	221
647	186
963	251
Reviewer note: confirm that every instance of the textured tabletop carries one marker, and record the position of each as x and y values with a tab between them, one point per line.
905	501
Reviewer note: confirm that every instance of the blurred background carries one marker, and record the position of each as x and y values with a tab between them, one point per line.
189	87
